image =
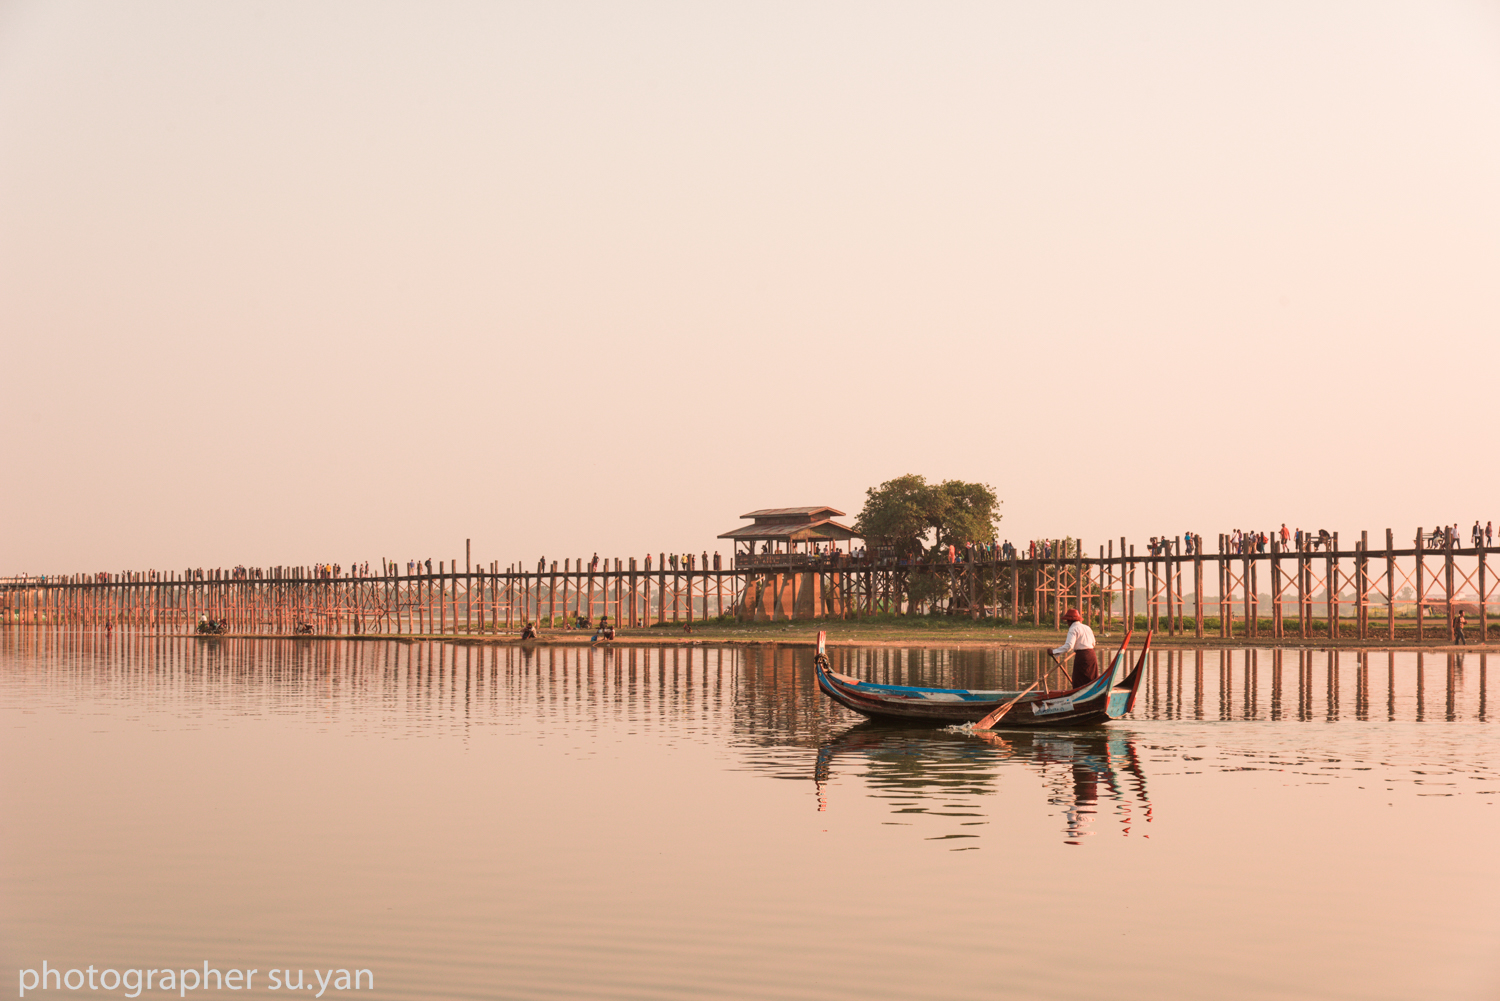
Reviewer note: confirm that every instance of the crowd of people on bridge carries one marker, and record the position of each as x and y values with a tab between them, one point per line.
1047	549
1236	542
328	571
1480	536
1240	542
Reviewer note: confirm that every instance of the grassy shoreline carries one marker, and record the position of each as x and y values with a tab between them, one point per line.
936	632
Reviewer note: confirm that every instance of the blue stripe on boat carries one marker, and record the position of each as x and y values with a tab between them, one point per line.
964	694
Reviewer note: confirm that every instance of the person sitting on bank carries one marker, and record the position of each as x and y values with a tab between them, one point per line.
1080	643
603	630
529	633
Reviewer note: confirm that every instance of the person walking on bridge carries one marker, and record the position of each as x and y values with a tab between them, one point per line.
1079	642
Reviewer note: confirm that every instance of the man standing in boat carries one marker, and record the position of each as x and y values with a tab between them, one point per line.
1080	643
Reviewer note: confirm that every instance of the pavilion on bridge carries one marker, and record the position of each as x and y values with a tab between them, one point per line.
788	536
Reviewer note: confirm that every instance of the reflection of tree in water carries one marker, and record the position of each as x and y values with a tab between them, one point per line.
943	772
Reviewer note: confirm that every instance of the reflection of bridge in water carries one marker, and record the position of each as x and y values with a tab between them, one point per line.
767	691
1265	684
760	701
1312	685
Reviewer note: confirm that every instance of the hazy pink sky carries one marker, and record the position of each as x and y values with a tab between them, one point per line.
282	283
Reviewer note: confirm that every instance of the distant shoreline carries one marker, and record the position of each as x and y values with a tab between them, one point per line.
941	635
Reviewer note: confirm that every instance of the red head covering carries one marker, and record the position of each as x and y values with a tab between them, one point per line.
1071	615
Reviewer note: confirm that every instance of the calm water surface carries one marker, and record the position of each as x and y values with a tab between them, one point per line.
489	822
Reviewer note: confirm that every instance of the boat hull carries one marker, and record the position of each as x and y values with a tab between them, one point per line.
1106	698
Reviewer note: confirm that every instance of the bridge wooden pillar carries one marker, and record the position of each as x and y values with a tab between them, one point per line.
642	614
1036	590
1484	605
1226	608
661	588
1278	625
1304	588
972	571
1015	587
1361	597
1448	579
1247	587
552	596
1420	577
1390	584
1057	583
1166	585
1078	583
1332	590
1198	586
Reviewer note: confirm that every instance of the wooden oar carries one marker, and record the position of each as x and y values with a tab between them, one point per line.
1064	682
997	715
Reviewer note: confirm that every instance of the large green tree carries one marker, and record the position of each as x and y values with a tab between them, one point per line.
899	513
964	512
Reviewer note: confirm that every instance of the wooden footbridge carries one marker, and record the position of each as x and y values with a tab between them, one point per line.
1365	591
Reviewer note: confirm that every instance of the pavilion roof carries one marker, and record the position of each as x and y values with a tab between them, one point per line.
792	524
801	513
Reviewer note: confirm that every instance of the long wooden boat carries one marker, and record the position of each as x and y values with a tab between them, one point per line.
1107	697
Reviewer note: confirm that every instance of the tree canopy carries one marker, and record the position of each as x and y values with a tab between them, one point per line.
899	513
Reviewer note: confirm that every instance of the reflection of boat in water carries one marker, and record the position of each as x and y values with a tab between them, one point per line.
1107	697
1099	765
914	753
1082	768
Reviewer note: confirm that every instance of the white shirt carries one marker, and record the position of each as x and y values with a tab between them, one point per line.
1079	637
